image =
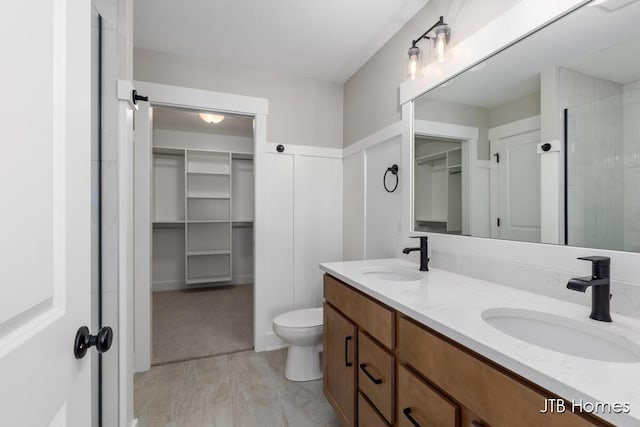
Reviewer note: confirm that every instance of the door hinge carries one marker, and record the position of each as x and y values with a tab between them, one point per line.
497	156
498	222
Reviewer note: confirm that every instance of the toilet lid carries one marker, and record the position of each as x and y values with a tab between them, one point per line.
305	318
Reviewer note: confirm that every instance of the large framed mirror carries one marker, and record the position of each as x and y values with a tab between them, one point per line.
540	142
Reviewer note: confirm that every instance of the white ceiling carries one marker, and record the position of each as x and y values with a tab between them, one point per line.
591	40
321	39
189	121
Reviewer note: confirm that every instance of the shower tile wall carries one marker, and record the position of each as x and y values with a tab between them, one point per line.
631	136
596	153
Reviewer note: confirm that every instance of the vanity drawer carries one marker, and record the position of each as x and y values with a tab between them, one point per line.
367	415
376	376
490	392
371	316
426	405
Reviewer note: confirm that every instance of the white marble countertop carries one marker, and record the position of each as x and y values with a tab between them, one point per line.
452	305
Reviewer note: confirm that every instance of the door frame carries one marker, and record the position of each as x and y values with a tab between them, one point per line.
529	124
468	137
190	98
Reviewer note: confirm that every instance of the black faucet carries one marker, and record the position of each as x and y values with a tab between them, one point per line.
424	258
600	287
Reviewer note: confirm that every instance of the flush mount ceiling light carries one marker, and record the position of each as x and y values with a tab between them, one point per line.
211	118
440	35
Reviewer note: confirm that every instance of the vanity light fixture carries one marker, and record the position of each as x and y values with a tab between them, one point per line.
440	37
211	118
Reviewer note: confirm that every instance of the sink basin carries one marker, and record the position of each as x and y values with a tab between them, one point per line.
563	335
392	274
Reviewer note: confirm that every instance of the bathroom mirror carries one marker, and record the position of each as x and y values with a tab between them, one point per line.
540	142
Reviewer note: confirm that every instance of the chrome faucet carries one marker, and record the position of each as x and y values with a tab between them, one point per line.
424	257
600	287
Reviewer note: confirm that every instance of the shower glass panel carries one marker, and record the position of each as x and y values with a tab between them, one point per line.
603	172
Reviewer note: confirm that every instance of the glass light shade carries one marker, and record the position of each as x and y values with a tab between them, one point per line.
442	35
414	63
211	118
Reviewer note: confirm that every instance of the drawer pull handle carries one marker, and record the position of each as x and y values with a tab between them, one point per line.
346	351
375	380
407	413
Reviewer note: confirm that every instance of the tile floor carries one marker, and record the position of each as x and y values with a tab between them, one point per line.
244	389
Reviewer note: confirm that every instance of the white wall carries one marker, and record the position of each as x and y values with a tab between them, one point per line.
303	228
383	209
372	215
302	111
354	206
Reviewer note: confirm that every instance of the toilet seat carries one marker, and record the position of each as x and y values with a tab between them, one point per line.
305	318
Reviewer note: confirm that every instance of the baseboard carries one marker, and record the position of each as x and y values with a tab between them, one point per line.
246	279
180	285
273	342
170	285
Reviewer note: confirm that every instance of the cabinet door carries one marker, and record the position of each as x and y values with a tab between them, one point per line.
419	404
340	364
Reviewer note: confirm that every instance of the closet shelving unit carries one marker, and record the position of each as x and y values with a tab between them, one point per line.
196	196
441	191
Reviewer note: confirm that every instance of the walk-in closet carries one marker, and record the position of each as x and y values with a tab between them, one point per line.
202	240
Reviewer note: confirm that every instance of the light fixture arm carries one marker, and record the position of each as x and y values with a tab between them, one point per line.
424	35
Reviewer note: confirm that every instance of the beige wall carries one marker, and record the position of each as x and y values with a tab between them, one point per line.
521	108
371	99
301	111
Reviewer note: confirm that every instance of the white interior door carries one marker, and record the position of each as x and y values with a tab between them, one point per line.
517	167
45	264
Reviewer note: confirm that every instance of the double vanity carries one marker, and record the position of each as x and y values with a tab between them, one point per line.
410	348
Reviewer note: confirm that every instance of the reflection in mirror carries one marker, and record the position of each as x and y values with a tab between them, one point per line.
438	201
541	142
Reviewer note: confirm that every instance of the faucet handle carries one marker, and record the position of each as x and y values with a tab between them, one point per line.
597	260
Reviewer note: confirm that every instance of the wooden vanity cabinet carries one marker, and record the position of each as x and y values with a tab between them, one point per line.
360	332
491	392
383	369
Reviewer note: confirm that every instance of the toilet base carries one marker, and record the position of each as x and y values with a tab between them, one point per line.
303	363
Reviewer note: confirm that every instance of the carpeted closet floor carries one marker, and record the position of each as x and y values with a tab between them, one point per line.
197	323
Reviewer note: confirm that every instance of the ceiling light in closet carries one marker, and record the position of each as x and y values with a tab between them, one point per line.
211	118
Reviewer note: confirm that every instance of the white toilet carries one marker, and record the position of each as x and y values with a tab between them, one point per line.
302	329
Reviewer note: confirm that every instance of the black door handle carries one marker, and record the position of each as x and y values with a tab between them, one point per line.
375	380
407	413
84	341
346	351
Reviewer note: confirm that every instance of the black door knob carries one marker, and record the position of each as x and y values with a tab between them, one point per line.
84	341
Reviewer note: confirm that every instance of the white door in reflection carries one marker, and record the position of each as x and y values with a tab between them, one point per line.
515	204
